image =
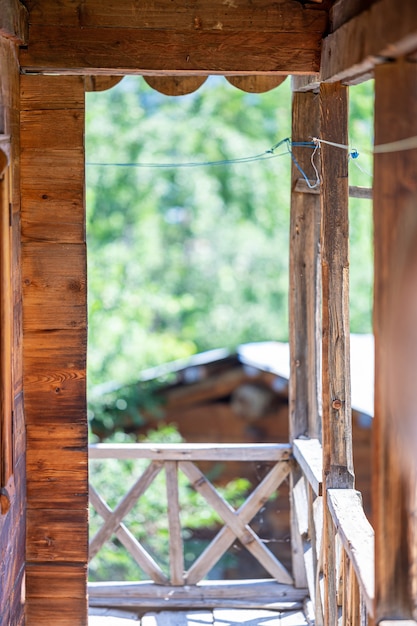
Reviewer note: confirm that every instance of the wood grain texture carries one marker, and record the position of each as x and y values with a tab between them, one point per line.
305	281
256	84
366	40
175	85
177	15
87	51
12	524
14	23
54	323
395	231
337	419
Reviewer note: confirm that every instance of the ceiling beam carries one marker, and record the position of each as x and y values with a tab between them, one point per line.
174	37
387	30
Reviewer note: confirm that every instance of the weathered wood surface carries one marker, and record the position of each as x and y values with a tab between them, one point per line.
12	505
175	85
395	233
217	617
363	193
54	324
14	23
172	37
123	534
304	298
383	32
357	537
196	451
309	455
256	84
128	501
246	512
337	426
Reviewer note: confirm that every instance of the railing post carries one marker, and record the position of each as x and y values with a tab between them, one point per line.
304	305
337	428
395	314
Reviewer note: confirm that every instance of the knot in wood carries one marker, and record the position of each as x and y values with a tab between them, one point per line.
337	404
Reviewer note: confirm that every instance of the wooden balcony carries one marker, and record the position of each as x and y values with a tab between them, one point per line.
347	585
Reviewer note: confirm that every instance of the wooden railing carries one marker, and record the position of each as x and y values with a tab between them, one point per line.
340	579
187	588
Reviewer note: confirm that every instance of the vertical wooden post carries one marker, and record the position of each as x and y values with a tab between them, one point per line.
54	276
337	426
304	304
395	315
305	280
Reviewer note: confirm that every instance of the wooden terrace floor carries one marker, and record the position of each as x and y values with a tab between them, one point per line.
216	617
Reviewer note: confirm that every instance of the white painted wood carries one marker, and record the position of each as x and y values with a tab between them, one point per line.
123	508
132	545
308	454
175	618
176	558
247	511
243	532
192	452
357	536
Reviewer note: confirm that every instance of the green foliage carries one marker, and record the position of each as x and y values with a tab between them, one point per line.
148	520
185	260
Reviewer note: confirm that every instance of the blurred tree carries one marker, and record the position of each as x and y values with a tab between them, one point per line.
182	260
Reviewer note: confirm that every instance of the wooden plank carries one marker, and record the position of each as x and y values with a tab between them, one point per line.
56	535
55	379
248	616
337	426
384	32
308	454
52	92
192	452
246	511
337	419
14	23
162	15
357	537
176	559
138	51
60	612
256	84
56	580
175	85
61	129
243	532
170	618
364	193
304	299
395	232
209	592
124	506
54	273
301	507
101	83
132	545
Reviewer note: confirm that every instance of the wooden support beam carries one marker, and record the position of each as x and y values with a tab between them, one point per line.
174	37
337	425
14	23
363	193
304	298
395	244
381	32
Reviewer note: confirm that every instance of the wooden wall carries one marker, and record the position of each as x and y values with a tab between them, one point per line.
54	333
12	518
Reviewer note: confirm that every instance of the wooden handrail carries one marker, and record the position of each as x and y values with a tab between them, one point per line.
357	536
172	459
309	456
192	452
